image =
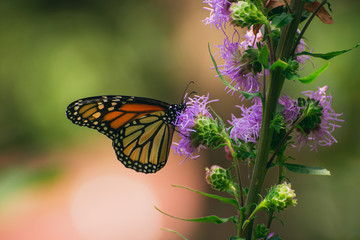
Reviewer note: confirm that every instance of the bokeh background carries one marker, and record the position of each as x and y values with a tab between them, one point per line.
60	181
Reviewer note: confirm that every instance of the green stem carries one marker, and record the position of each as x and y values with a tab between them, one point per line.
270	219
270	44
288	6
284	139
266	132
240	185
281	173
239	199
259	207
276	82
307	25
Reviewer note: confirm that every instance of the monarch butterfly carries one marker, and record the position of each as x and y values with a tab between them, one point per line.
141	128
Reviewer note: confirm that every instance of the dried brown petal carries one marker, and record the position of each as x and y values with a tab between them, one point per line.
322	14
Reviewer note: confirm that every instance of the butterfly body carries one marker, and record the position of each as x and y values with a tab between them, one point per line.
141	128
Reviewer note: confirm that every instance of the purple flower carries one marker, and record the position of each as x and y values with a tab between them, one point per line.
301	48
247	128
195	107
291	111
270	235
219	13
238	67
321	134
251	39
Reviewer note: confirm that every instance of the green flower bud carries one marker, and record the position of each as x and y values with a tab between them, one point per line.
245	14
261	231
208	132
280	197
219	179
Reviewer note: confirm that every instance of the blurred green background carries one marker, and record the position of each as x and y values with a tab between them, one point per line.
54	52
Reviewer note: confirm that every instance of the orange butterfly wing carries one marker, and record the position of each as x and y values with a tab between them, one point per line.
141	128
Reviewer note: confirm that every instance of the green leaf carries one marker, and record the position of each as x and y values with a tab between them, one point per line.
245	94
314	75
236	238
264	57
279	64
249	96
281	20
296	168
180	235
213	196
329	55
278	122
206	219
221	122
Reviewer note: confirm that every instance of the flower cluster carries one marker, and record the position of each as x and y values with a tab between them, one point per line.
238	66
239	62
247	128
321	133
256	65
196	114
219	13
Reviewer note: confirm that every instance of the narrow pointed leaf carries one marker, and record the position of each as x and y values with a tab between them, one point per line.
264	57
236	238
329	55
296	168
245	94
222	124
279	64
213	196
281	20
206	219
180	235
314	75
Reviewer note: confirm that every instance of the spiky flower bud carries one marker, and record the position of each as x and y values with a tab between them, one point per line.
280	197
246	14
261	232
208	132
220	179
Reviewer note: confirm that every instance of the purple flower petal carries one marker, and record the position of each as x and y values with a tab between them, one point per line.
247	128
195	107
239	70
291	111
322	135
219	13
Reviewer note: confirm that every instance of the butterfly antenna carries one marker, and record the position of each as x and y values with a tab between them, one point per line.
181	133
193	92
185	94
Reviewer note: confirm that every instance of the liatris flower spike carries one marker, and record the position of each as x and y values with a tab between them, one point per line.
257	62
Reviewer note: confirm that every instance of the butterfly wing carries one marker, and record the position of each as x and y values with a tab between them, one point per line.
141	128
144	143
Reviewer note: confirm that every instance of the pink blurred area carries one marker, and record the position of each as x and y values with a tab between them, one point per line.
96	197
